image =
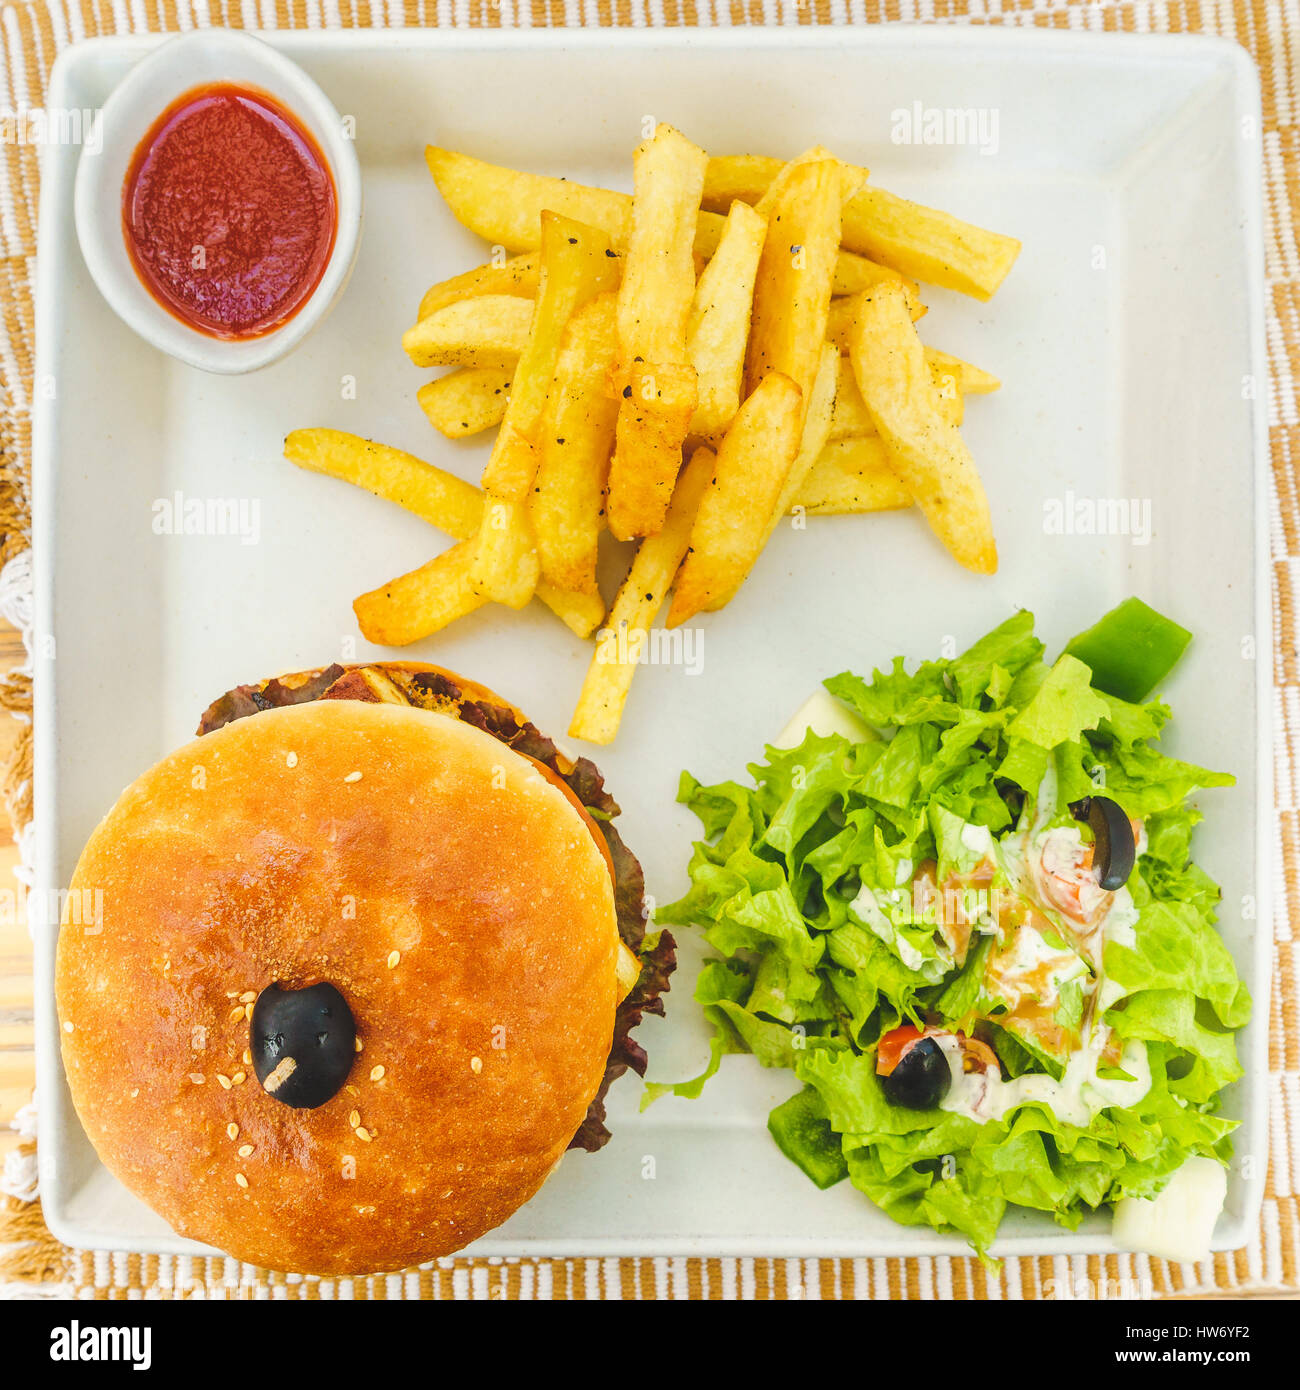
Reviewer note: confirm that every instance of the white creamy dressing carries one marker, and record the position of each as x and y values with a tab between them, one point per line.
979	840
1119	928
866	908
1081	1093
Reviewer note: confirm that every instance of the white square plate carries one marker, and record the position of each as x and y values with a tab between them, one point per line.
1128	338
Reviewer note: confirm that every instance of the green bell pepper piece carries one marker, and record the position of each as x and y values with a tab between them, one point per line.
804	1135
1131	650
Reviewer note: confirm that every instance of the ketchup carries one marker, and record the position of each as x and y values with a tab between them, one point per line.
229	211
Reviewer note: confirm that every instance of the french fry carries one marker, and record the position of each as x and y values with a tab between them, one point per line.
792	294
735	513
657	385
618	646
582	614
654	299
737	177
507	568
856	273
965	378
431	493
850	177
843	312
924	450
576	265
718	329
504	206
749	177
851	475
490	330
577	435
420	603
517	276
816	431
926	244
466	401
971	380
852	417
947	385
654	416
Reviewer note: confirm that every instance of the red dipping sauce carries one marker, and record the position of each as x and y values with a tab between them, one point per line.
229	211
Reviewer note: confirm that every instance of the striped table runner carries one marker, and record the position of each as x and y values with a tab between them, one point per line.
32	35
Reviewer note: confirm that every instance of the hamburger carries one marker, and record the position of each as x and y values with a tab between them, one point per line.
372	954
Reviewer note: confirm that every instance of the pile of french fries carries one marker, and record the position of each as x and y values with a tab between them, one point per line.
684	366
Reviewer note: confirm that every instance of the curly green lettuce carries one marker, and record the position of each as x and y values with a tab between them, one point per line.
804	983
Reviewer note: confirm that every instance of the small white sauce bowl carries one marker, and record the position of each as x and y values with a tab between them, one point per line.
176	67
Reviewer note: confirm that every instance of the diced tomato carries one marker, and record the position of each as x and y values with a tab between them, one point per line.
891	1047
1065	884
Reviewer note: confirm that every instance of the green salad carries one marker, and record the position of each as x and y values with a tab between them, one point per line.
970	925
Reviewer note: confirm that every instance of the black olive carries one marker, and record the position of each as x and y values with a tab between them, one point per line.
303	1042
1112	833
922	1077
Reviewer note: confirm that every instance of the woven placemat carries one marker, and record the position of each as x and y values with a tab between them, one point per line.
30	38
